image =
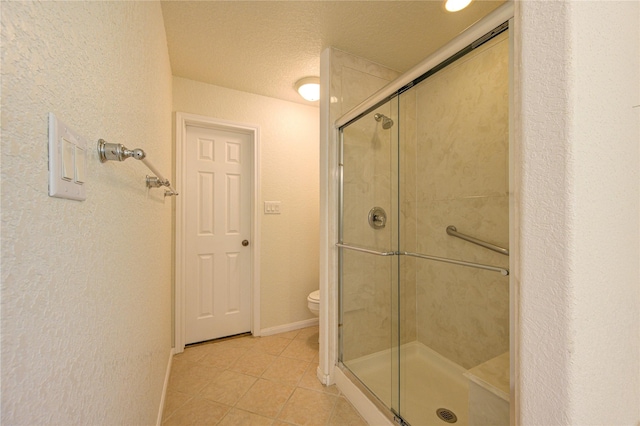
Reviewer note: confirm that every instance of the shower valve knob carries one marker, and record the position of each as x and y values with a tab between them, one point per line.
377	218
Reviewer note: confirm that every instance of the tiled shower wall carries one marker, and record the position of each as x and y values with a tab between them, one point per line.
453	170
456	173
368	279
367	296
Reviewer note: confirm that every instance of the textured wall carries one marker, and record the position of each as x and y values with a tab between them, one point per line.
579	77
288	173
86	286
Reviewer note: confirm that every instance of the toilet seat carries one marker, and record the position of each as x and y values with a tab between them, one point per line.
314	297
313	302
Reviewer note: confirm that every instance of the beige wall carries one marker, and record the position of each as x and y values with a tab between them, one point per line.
453	171
462	179
288	173
86	286
367	280
367	300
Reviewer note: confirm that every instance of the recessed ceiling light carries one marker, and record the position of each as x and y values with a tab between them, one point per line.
309	88
456	5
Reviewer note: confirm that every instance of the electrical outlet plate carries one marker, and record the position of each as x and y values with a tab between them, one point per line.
67	161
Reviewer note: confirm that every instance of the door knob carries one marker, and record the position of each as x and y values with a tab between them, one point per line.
245	242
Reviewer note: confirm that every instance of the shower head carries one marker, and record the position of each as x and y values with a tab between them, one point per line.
386	121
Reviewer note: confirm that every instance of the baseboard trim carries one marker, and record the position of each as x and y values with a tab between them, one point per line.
165	387
325	379
288	327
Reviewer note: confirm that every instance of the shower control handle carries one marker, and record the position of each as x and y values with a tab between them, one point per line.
377	218
245	243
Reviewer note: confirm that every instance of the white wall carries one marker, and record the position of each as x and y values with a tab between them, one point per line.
86	286
288	173
579	76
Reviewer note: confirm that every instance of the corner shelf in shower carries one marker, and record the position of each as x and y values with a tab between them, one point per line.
489	392
492	375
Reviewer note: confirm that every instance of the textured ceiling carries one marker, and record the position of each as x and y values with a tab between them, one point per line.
264	47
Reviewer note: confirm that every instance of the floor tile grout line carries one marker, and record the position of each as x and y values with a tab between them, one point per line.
297	356
256	381
191	397
333	409
284	405
295	386
234	406
245	392
199	393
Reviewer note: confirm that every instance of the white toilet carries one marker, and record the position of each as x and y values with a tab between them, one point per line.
313	302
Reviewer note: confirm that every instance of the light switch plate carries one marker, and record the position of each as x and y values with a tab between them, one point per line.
272	207
67	161
80	157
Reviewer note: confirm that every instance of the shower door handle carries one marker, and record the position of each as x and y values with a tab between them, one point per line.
503	271
364	250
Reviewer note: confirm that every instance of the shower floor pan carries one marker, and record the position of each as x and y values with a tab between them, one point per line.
428	382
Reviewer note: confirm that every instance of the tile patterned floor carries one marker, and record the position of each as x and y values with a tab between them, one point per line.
254	381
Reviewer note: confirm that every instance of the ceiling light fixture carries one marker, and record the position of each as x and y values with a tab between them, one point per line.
456	5
309	88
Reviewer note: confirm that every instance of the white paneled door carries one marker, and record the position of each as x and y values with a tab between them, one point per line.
218	233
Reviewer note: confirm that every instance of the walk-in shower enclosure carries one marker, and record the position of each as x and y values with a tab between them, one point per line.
424	311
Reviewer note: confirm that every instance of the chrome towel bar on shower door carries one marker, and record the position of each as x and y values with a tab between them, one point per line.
364	250
451	230
503	271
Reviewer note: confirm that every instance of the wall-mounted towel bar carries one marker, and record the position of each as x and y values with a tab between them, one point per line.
503	271
115	151
451	230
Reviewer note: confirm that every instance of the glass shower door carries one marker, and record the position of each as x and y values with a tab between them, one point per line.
453	159
368	263
424	313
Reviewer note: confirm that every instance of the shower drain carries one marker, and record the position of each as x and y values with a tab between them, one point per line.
446	415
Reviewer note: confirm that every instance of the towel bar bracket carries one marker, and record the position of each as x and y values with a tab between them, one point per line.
118	152
156	182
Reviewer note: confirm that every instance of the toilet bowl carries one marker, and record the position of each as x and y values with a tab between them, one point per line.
313	302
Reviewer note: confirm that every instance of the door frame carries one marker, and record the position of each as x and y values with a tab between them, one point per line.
182	121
